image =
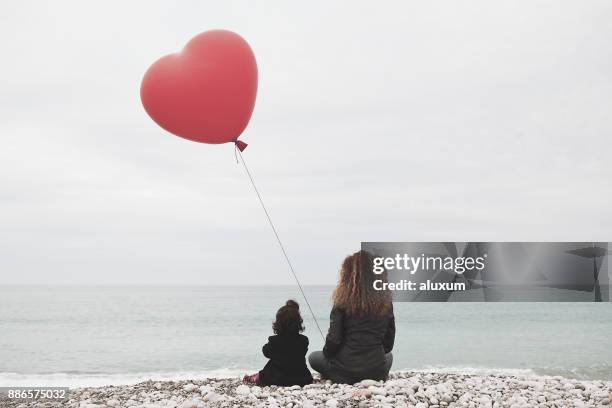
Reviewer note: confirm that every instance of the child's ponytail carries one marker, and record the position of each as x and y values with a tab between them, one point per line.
292	303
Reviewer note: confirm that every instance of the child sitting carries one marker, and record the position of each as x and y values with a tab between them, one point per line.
286	351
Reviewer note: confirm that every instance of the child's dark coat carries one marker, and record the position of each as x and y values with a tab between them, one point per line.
287	365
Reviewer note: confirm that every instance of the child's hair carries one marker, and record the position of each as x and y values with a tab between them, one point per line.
288	319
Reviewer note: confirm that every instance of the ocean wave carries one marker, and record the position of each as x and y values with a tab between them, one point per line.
519	372
601	371
77	380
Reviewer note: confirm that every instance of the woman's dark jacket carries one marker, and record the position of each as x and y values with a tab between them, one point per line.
287	365
356	345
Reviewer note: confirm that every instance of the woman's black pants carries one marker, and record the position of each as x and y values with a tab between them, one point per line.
320	363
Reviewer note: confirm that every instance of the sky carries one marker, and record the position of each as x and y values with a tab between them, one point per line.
394	121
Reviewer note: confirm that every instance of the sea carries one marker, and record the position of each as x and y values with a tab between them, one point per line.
91	336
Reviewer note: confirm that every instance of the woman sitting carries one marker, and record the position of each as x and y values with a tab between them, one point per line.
362	327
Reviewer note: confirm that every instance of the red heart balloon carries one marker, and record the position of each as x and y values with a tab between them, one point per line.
206	92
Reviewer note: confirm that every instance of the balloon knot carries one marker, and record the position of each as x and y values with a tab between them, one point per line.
240	145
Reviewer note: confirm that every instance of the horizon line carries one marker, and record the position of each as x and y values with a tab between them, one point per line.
186	285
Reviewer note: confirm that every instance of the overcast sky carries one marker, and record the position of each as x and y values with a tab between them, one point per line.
393	121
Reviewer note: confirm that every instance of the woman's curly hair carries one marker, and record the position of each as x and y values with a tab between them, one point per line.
288	319
355	292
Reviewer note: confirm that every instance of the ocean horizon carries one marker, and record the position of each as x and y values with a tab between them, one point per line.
99	335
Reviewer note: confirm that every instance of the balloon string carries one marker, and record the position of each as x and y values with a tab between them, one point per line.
280	243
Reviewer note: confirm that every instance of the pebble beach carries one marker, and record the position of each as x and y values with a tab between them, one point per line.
403	389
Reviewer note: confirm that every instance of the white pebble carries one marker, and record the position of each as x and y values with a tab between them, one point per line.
189	387
192	403
243	390
377	390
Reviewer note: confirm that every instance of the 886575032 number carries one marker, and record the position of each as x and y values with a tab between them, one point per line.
35	393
